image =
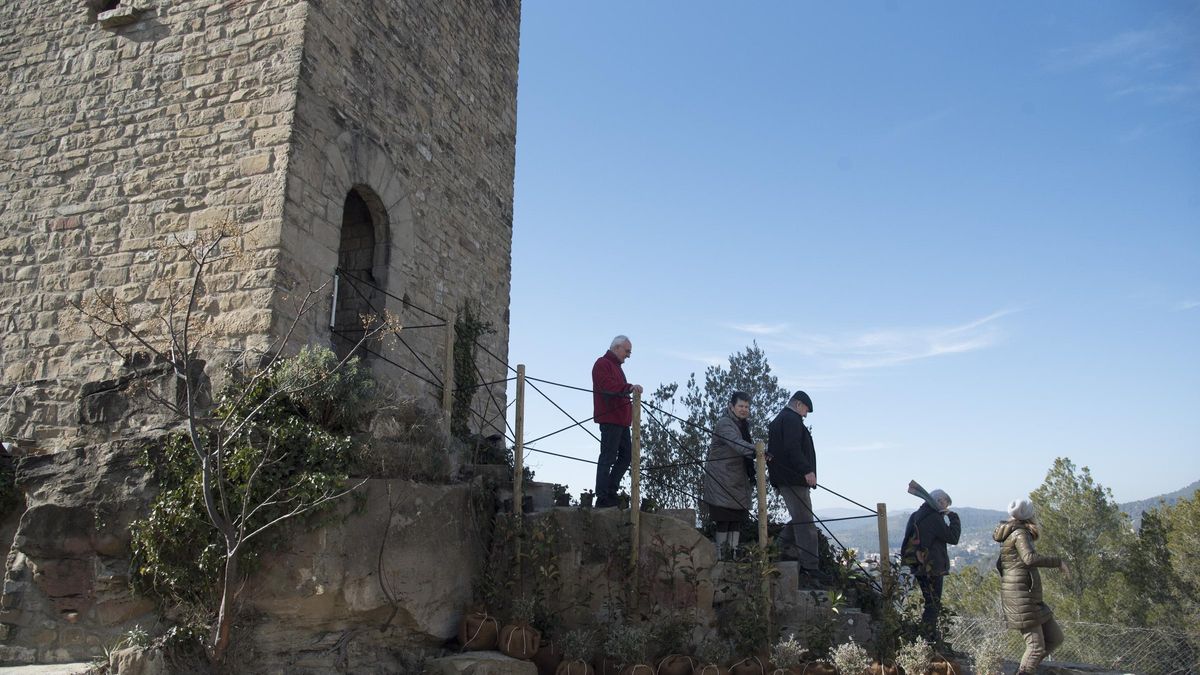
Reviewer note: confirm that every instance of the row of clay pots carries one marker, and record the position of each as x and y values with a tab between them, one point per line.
481	631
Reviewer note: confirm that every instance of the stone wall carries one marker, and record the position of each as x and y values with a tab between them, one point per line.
112	139
263	114
413	106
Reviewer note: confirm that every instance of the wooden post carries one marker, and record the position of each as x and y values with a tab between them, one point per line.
885	558
760	469
635	494
448	376
519	450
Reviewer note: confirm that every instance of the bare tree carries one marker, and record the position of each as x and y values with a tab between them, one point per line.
176	335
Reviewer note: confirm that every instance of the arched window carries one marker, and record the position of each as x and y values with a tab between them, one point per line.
362	269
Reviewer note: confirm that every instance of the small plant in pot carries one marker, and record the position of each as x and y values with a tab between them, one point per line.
577	647
626	644
623	499
712	656
850	658
672	633
787	656
944	665
561	496
914	657
478	631
518	639
585	499
549	655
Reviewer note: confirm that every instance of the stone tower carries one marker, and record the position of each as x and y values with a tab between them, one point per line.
375	136
372	136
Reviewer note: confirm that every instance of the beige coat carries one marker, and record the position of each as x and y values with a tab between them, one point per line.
1020	581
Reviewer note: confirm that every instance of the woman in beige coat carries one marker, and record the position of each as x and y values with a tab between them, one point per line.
1021	585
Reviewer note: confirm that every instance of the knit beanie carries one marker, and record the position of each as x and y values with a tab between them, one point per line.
939	495
1020	509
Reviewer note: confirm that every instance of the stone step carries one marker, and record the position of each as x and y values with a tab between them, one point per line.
479	663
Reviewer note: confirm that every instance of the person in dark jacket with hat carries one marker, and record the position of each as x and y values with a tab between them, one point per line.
924	551
614	413
793	470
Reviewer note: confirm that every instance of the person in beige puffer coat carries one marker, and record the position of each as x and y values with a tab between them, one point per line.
1021	585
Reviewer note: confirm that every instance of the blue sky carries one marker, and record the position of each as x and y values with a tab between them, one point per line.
970	231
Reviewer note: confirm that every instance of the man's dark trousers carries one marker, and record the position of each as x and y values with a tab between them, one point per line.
616	450
931	592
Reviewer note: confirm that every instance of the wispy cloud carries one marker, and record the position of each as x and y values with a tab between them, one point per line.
1156	64
892	346
1145	47
704	359
1185	305
759	328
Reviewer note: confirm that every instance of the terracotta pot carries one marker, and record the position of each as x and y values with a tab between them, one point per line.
944	666
751	665
478	631
676	664
879	669
576	667
638	669
606	666
816	668
710	669
547	658
520	640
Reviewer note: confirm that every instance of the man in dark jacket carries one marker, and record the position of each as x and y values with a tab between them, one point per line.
793	469
924	551
614	414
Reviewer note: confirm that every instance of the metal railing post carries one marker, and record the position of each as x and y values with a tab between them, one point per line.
333	305
519	450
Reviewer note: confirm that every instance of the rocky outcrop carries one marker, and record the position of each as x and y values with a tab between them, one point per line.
393	575
66	587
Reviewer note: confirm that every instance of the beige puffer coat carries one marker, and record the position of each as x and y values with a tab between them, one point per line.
1020	582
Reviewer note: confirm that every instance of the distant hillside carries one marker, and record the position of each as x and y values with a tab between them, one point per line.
975	545
1135	509
863	535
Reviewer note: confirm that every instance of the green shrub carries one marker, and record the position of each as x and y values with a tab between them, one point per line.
332	394
281	456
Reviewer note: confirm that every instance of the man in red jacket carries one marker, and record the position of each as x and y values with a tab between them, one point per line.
614	414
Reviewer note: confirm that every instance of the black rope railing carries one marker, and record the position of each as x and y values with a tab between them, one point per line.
501	412
399	299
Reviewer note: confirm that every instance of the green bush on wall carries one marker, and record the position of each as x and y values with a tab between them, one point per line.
178	555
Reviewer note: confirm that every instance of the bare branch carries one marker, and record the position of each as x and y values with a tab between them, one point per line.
300	510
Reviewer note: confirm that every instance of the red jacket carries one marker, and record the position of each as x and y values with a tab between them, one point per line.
610	392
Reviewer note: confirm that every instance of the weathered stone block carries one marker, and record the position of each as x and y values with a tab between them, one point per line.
479	663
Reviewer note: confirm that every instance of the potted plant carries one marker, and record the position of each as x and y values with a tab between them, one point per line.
518	639
850	658
478	631
649	505
626	645
561	496
672	633
577	647
712	654
943	665
914	657
623	499
585	499
549	655
787	655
